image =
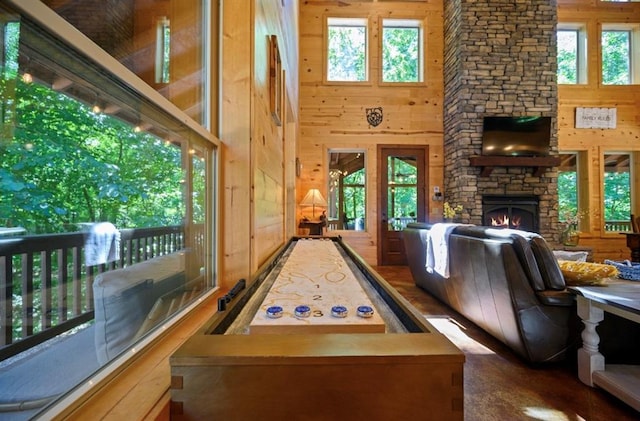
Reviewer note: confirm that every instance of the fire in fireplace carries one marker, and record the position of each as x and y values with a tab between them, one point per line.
518	212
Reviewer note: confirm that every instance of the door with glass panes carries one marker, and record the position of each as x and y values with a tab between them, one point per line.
401	189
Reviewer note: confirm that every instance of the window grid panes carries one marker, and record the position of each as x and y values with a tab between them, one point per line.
402	191
347	50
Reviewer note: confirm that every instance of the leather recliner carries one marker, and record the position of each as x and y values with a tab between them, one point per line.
505	281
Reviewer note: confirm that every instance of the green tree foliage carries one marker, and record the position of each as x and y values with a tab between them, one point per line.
400	54
402	197
616	64
567	194
617	196
65	164
354	195
347	58
567	57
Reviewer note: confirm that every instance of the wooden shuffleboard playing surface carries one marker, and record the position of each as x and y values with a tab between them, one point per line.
316	275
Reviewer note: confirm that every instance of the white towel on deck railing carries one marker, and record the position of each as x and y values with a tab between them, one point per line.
102	244
438	248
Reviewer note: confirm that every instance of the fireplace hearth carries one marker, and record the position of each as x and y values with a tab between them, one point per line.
517	212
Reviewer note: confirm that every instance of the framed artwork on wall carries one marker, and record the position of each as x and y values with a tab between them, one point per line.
275	80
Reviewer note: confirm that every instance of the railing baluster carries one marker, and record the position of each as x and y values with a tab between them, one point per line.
27	294
76	279
45	289
89	286
6	303
62	285
47	257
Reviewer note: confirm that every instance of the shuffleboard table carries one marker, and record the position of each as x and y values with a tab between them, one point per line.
317	334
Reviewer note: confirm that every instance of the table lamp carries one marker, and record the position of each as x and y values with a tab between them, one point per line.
313	198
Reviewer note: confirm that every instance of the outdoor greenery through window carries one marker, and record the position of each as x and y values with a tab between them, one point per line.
402	52
571	54
347	57
106	209
568	205
617	191
403	191
616	57
347	188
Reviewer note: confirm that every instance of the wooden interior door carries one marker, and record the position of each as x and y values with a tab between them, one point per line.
401	197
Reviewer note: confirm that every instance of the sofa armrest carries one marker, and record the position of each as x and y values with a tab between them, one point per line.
556	298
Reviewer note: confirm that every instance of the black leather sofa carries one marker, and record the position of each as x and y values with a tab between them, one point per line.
507	283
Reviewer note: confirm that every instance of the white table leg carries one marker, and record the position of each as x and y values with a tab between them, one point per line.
589	359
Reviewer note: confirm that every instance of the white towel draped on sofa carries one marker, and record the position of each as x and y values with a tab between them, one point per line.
438	248
102	244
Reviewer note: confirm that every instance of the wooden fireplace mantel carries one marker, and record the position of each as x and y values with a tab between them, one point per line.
539	163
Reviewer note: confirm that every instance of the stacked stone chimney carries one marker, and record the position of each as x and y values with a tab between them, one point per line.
500	60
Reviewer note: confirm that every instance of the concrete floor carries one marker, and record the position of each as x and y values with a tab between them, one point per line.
499	385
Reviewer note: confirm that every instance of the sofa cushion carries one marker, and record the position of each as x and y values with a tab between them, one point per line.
547	264
520	241
528	261
118	316
123	297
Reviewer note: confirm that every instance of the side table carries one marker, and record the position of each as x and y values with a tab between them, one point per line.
315	227
633	242
623	299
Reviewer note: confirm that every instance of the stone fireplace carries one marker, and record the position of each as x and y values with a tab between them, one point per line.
500	60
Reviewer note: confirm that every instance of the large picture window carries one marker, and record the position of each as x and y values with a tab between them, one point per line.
106	208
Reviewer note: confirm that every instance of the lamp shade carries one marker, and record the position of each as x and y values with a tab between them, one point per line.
313	198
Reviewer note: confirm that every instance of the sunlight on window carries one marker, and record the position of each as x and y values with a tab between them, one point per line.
567	56
347	50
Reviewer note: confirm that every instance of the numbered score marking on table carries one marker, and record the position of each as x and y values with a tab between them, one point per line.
316	276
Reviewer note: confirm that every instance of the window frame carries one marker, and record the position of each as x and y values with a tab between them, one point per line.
582	189
632	196
582	70
198	136
355	21
634	55
364	152
422	49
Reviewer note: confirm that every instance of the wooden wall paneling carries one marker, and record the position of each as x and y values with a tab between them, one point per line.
273	174
235	133
334	115
594	142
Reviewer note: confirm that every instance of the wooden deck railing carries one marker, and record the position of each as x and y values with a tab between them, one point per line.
617	226
46	289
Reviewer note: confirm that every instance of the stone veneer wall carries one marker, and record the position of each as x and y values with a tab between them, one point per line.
500	60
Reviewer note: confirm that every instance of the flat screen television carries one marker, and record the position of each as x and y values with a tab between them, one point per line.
516	136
